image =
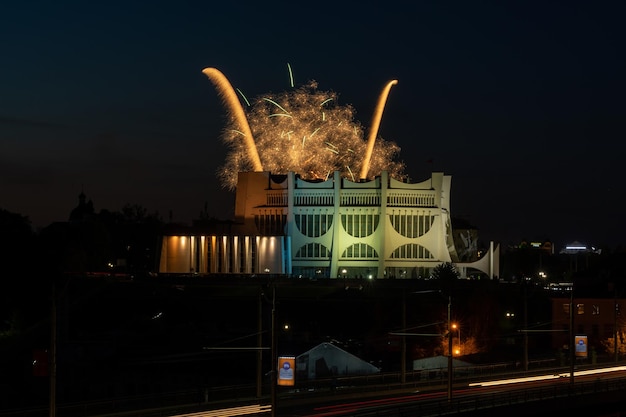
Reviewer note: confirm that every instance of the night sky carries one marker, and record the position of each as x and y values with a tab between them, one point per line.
522	103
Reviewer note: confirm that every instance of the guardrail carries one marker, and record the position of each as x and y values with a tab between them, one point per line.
168	404
508	402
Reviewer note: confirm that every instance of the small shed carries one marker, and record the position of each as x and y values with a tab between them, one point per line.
437	363
327	360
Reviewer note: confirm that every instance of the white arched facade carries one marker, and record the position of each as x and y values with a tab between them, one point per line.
335	228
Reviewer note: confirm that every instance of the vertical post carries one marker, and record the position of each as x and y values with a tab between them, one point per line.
572	341
259	353
615	324
449	348
403	350
53	353
525	359
491	266
274	370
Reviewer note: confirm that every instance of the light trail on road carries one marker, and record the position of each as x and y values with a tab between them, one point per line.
231	412
546	377
472	389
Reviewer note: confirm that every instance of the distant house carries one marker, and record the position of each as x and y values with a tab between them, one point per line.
596	318
437	363
327	360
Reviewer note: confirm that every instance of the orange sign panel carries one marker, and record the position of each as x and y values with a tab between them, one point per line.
581	346
286	370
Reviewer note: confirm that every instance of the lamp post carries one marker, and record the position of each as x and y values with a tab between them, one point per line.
572	341
457	327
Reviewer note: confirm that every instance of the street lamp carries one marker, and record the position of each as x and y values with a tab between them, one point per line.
456	327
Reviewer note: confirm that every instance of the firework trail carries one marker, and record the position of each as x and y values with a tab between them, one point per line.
226	92
378	114
307	132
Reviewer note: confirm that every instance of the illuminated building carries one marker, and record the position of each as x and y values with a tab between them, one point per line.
576	248
337	228
301	211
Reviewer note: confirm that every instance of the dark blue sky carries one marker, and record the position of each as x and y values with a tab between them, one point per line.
523	103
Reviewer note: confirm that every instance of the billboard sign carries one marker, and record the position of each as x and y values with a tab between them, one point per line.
581	346
286	370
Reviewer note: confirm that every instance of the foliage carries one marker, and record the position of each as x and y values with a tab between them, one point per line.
445	272
609	344
468	346
134	213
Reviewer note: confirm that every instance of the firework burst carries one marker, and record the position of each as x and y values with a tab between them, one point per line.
305	131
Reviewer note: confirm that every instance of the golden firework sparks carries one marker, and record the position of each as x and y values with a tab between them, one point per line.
305	131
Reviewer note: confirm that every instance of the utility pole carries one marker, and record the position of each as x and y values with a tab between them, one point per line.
53	353
403	350
449	348
615	310
259	354
572	341
274	361
525	360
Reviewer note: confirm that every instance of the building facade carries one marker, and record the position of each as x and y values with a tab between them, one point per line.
597	319
334	228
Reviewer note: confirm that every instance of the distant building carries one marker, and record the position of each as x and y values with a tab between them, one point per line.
545	246
83	211
327	360
333	228
576	248
596	318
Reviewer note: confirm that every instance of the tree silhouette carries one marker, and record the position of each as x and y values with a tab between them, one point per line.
447	275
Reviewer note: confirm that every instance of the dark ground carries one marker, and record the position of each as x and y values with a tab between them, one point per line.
122	337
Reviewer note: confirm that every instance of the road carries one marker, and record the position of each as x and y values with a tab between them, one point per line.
596	392
472	397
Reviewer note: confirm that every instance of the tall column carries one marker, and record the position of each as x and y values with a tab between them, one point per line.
335	247
291	185
382	223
